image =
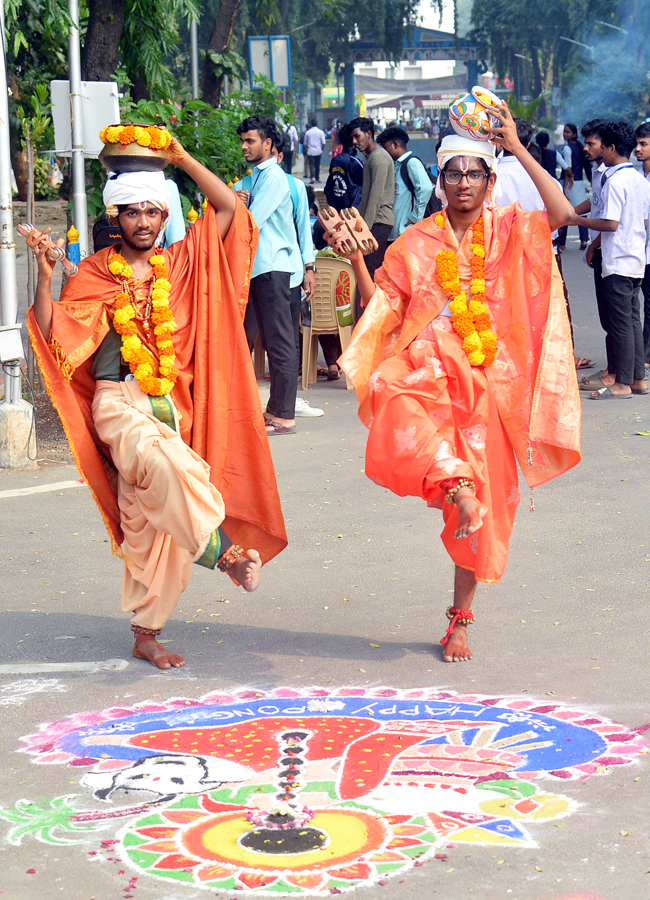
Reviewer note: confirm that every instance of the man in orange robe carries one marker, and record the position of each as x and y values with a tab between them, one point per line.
444	426
186	477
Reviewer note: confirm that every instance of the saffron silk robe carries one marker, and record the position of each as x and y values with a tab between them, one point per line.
216	394
431	414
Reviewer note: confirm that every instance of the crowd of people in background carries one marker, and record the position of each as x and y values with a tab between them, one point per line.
603	168
374	170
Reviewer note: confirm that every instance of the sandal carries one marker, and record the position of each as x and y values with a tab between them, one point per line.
606	393
273	428
333	373
583	363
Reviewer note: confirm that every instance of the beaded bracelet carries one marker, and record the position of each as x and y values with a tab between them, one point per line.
230	557
462	482
137	629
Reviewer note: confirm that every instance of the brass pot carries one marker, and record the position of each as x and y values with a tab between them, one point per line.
132	157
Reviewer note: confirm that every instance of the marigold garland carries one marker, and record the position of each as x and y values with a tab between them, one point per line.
133	350
145	136
470	320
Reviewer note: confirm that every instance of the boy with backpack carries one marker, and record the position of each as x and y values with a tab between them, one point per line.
413	187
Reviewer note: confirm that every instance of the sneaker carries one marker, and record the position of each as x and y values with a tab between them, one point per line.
304	409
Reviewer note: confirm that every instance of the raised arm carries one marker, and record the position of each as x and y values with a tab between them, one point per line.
39	243
559	209
219	194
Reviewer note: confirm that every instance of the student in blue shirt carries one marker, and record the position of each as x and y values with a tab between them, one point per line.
413	187
269	200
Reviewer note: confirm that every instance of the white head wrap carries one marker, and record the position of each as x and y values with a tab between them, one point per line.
455	145
137	187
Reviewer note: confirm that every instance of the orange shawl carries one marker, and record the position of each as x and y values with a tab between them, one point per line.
534	377
216	393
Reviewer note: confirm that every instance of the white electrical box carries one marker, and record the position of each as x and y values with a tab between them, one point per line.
11	344
100	106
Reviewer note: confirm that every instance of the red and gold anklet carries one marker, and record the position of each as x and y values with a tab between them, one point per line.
137	629
451	492
457	616
230	557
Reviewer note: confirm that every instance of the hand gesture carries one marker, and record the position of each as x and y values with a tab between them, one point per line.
505	136
176	152
39	243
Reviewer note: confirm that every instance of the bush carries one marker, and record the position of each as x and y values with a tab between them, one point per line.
43	190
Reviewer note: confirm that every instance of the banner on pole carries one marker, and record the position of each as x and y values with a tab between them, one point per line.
270	57
100	107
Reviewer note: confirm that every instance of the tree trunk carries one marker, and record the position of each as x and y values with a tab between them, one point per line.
101	52
19	163
139	91
211	83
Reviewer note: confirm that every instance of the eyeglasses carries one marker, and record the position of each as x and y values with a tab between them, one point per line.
473	178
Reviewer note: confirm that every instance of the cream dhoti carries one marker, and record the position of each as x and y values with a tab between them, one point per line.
169	510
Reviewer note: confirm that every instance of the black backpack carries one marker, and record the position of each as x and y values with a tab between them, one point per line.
435	204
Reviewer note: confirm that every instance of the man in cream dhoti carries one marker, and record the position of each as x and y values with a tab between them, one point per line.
146	360
463	362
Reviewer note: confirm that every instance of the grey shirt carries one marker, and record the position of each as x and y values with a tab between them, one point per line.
378	194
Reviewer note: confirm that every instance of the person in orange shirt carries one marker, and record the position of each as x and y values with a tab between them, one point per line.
463	361
146	360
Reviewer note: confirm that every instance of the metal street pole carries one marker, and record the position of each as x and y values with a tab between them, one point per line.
194	58
8	291
79	202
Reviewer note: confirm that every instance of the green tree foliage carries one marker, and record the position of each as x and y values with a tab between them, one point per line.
510	27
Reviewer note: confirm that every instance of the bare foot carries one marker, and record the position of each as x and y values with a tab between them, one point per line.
470	514
246	570
456	649
147	647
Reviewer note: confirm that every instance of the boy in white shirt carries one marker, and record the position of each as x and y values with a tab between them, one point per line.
643	155
593	206
626	198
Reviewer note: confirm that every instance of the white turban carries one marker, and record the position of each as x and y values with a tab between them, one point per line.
455	145
137	187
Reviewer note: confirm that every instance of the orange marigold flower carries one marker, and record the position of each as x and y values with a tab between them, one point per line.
128	135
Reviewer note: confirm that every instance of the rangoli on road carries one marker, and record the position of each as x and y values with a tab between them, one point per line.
314	792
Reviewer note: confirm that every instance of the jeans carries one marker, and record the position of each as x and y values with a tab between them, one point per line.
622	295
277	309
314	166
645	290
603	309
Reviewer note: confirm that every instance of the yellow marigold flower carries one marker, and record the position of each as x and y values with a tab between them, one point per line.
143	369
102	135
157	260
162	284
476	358
113	133
124	315
145	139
440	220
169	326
131	344
472	342
478	250
138	129
159	294
478	285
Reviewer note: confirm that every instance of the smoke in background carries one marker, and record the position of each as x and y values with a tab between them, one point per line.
615	81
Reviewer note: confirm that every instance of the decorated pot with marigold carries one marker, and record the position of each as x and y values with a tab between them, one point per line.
134	148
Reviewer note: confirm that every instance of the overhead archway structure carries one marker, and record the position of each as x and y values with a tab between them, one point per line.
425	44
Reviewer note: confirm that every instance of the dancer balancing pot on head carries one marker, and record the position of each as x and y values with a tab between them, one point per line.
463	362
146	360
